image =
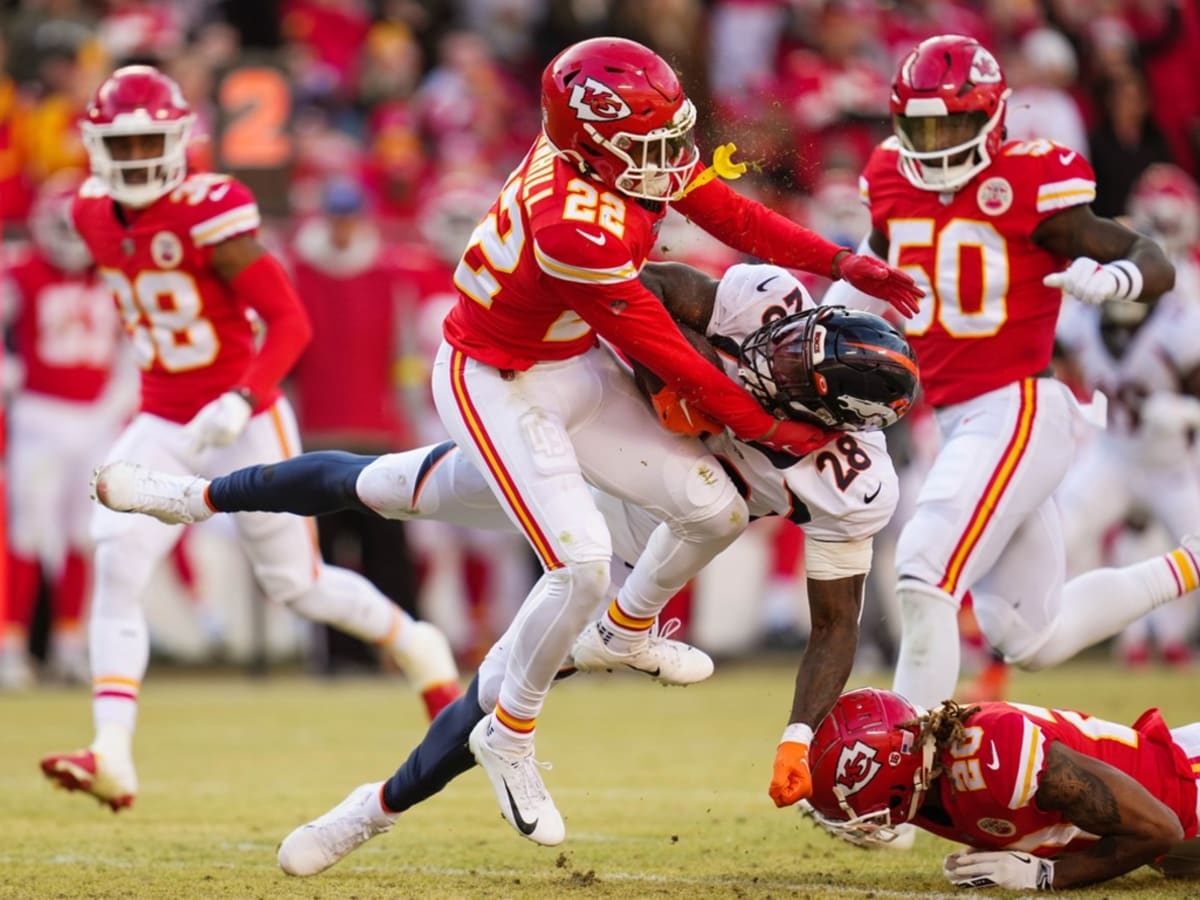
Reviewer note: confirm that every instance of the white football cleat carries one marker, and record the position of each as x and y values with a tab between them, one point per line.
666	661
328	839
130	487
520	791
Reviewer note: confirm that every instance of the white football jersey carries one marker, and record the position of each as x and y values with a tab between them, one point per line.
845	491
1164	349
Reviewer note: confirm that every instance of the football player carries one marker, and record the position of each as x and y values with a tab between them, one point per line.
996	233
179	254
841	368
530	398
72	394
1146	360
1045	799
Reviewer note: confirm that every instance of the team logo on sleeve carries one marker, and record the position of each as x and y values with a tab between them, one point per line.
995	196
594	101
999	827
166	250
856	767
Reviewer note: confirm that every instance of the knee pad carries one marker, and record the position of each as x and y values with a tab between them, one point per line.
721	520
1009	634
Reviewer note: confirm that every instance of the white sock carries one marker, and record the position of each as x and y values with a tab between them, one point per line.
120	652
1098	604
927	667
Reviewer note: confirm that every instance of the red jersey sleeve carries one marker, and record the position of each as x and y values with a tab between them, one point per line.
217	208
628	316
1060	177
750	227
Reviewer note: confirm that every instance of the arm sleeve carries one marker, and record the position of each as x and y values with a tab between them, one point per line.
752	228
264	286
630	318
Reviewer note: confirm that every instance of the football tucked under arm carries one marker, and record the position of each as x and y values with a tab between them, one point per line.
675	412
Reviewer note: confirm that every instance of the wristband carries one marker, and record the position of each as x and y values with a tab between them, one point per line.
1129	279
837	258
797	733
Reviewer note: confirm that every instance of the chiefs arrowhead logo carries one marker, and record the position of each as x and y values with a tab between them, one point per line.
984	68
594	101
856	766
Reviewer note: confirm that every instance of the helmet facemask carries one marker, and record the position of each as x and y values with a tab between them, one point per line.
658	164
834	367
942	151
138	182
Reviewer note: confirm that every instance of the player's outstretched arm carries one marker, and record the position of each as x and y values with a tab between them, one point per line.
258	282
834	606
1111	262
1135	827
752	228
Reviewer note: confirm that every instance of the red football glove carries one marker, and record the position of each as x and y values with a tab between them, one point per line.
796	438
875	277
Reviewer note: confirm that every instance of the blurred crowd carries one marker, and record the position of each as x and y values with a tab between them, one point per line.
375	134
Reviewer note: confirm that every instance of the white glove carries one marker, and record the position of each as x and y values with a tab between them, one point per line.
1087	280
999	868
219	423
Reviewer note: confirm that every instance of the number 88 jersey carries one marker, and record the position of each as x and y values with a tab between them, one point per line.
192	337
987	320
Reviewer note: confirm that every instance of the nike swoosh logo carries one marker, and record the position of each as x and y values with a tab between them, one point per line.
653	674
869	497
762	285
995	763
526	828
1065	158
598	240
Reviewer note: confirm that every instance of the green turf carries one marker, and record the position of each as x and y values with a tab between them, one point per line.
663	792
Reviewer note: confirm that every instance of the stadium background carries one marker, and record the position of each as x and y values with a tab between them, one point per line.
395	120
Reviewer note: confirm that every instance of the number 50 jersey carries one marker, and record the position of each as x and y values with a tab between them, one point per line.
987	320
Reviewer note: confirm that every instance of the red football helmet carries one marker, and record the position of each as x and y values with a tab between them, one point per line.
50	223
948	104
616	109
869	773
138	100
1165	204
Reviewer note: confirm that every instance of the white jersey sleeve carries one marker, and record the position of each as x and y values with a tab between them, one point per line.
749	296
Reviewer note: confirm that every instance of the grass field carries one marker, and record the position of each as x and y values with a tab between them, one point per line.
663	792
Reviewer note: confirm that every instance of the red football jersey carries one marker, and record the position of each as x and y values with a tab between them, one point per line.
991	778
64	329
549	224
192	336
987	320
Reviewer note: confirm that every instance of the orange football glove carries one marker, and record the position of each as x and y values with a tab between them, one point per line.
679	416
791	780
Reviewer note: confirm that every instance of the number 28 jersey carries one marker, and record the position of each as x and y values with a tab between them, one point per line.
192	337
992	775
987	320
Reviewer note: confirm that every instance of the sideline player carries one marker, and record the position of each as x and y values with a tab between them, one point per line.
179	254
1045	799
841	495
73	394
987	228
